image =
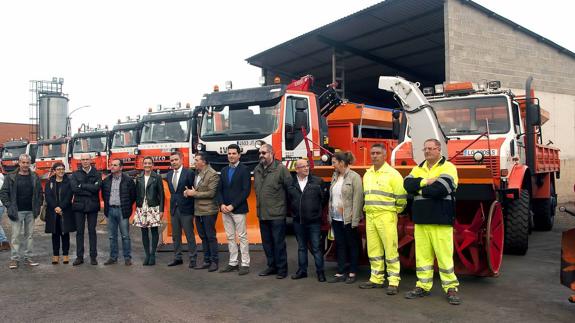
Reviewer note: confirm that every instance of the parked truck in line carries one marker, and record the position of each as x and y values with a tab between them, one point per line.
124	144
12	151
51	151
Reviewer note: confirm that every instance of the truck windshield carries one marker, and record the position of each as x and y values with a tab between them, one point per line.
13	152
470	115
125	138
51	150
240	120
165	131
89	144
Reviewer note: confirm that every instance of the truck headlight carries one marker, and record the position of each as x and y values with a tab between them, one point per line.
478	156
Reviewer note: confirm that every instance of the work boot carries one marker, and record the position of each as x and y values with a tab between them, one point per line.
5	246
13	264
392	290
110	261
229	268
452	297
244	270
369	285
416	292
55	260
66	260
78	262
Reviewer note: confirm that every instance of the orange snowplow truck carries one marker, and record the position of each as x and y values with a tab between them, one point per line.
51	151
94	142
12	151
506	175
124	145
276	114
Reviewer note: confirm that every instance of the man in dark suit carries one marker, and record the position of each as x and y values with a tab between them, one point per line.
181	209
232	198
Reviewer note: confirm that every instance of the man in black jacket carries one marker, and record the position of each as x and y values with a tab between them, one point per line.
233	191
21	193
306	195
181	209
86	188
119	194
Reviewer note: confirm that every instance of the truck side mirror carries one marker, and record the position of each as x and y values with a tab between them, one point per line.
396	126
536	115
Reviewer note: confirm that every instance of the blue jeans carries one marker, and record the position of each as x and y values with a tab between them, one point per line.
116	220
22	235
2	233
308	233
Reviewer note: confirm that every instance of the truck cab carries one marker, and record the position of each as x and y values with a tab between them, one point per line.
94	142
12	151
51	151
125	140
163	132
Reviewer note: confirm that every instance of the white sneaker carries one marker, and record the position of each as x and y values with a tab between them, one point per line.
30	263
13	264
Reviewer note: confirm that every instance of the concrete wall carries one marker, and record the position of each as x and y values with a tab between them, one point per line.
479	47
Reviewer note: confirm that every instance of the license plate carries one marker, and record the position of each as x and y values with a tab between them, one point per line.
246	142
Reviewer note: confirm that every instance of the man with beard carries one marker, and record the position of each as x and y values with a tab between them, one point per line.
271	180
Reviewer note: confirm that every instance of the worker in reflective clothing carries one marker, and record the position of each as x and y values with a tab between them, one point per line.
384	197
432	184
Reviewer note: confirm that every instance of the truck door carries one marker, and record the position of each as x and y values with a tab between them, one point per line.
296	116
518	143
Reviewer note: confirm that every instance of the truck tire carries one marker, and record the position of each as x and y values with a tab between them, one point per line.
544	213
517	225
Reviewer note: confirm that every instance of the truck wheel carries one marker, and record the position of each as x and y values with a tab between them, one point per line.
544	210
517	225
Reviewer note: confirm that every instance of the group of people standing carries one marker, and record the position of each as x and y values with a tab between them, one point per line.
197	197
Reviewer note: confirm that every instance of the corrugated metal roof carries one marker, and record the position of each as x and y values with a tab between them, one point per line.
394	37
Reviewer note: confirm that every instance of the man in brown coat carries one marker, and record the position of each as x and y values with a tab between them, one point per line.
206	209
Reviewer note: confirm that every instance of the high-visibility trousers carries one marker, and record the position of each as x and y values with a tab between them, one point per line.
434	241
381	231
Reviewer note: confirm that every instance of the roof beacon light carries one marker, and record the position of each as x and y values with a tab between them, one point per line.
427	91
482	85
494	85
228	85
438	88
459	88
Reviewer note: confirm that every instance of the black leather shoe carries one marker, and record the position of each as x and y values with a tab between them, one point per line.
93	261
78	262
205	265
110	262
213	267
192	264
299	275
268	271
281	276
175	262
321	277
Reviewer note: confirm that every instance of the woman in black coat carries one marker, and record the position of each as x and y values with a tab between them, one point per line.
59	215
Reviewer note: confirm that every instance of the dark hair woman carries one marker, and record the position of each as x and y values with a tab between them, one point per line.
149	208
345	212
59	215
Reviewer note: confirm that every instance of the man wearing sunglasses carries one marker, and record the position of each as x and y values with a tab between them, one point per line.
271	181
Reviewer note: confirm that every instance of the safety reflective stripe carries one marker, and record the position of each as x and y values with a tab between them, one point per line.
392	261
390	273
446	271
376	258
409	176
379	203
424	268
419	198
450	178
378	192
426	280
445	283
399	197
377	272
445	184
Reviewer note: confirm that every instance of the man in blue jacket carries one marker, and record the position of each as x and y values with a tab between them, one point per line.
181	209
233	192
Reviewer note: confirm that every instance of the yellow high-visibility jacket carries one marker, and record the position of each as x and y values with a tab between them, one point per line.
435	203
383	190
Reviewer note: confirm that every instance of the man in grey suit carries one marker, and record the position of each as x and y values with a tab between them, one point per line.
181	210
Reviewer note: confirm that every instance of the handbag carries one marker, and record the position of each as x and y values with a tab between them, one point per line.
43	211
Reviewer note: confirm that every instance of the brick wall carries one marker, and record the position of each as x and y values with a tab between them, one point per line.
13	130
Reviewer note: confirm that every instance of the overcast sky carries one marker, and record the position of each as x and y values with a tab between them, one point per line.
122	57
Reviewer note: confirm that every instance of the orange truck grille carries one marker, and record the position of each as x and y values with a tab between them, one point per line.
488	161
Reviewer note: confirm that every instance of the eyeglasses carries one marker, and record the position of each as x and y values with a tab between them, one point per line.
263	153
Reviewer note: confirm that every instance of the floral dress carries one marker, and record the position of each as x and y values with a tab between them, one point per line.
147	217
